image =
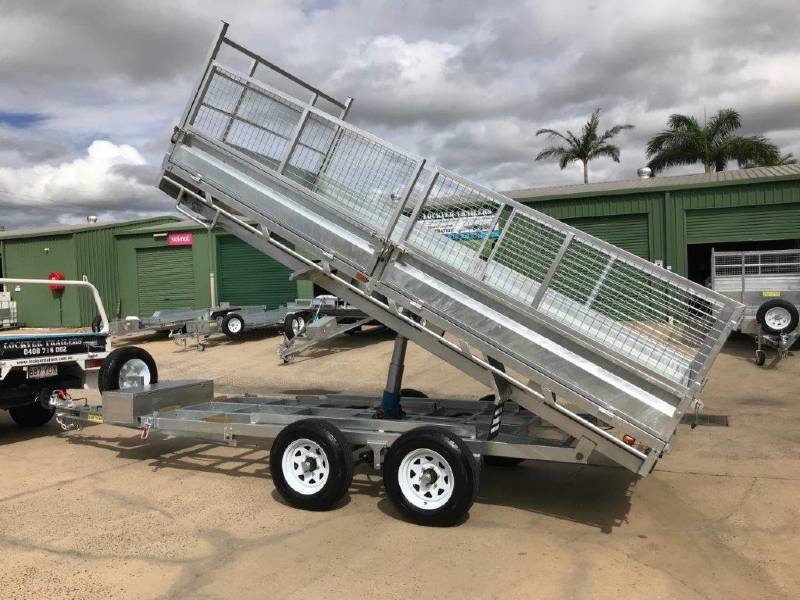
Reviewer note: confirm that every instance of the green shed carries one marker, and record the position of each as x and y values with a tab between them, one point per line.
675	221
76	251
182	265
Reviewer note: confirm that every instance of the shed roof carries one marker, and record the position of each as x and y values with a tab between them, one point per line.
176	225
734	176
76	228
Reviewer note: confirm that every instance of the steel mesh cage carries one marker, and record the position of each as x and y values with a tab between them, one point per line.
765	262
649	318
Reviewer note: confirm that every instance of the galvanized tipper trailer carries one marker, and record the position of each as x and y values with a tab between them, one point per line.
767	282
590	352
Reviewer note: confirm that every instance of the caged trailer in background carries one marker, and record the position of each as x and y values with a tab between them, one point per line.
591	354
767	282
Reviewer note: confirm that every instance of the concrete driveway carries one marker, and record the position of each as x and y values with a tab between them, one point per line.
100	513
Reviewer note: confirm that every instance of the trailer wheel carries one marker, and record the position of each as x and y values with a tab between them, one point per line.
311	463
761	358
430	476
35	414
232	325
124	366
293	324
777	316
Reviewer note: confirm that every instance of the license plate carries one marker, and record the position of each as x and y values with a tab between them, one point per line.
42	371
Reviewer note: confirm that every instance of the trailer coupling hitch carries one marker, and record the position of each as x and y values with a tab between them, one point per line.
697	405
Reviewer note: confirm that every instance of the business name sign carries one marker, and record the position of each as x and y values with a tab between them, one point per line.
183	238
462	224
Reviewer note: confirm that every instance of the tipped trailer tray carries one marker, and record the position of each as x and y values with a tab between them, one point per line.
605	347
767	282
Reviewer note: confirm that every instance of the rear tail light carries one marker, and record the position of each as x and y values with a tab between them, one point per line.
94	363
629	439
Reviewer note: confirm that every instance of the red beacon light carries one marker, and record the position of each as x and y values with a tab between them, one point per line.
56	276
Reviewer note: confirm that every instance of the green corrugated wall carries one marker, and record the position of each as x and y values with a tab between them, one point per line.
730	211
89	252
164	278
36	258
249	277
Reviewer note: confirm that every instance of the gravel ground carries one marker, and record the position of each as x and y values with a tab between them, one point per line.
99	513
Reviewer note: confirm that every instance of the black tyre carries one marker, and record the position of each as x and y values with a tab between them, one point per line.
35	414
233	325
761	358
412	393
499	461
777	316
430	476
294	324
122	368
311	463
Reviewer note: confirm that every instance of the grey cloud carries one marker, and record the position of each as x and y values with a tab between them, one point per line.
122	71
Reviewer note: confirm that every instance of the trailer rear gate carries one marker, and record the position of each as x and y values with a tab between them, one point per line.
164	278
249	277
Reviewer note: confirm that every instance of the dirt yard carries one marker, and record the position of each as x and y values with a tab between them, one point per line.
101	514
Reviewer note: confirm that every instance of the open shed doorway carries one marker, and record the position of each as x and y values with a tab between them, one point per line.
698	256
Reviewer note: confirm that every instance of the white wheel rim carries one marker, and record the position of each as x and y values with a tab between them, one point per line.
235	325
132	372
426	479
305	466
777	318
297	325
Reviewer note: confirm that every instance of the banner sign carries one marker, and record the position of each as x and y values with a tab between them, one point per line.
12	347
183	238
462	224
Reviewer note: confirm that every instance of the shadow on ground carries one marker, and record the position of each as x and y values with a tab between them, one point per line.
595	496
11	433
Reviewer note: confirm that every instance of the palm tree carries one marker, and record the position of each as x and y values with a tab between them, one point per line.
588	146
784	159
685	142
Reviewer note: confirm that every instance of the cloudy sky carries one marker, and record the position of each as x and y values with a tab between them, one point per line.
89	90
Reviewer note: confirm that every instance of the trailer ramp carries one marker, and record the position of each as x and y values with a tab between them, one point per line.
598	342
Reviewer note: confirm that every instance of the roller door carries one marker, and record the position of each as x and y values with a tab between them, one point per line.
748	223
165	279
249	277
629	232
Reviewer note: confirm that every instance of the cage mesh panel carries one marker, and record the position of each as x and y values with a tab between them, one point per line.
255	122
730	264
456	221
656	324
640	316
354	174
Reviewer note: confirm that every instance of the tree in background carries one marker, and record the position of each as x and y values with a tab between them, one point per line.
686	142
585	147
785	159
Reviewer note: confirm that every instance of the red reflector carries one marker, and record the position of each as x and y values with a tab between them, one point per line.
362	277
94	363
630	440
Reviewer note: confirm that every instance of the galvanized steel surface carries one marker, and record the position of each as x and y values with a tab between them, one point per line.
657	321
628	341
